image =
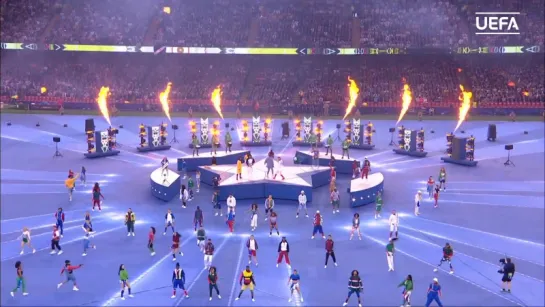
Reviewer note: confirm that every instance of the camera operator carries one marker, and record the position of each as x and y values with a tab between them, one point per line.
508	271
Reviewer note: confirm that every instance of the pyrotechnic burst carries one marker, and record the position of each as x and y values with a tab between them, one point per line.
216	99
465	105
102	101
407	99
163	97
353	92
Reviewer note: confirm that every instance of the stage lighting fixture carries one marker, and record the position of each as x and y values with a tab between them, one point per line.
338	126
226	125
38	125
8	123
65	125
56	139
509	147
462	131
174	127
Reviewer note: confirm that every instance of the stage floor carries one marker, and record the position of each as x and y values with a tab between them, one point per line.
472	216
205	153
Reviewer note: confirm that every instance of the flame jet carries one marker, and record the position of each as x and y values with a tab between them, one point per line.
465	99
407	99
353	92
163	98
102	101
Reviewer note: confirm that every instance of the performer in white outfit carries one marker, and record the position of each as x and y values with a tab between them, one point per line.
302	204
417	201
231	204
279	167
394	223
253	217
250	161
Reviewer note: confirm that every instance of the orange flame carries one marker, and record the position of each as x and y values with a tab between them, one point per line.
216	99
407	99
353	91
163	97
465	99
526	93
102	101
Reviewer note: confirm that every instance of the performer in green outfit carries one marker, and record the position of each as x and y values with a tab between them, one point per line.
329	146
124	279
228	142
378	205
190	185
407	285
346	145
196	145
201	238
390	249
443	179
312	141
20	279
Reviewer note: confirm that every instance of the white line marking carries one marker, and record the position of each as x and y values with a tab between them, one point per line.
52	215
51	225
233	287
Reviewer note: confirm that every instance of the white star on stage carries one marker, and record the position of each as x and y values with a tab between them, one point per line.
292	174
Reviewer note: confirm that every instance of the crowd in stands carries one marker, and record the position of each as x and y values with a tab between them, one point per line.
266	23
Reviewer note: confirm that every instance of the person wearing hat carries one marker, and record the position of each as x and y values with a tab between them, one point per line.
366	168
318	222
302	204
417	201
434	293
394	223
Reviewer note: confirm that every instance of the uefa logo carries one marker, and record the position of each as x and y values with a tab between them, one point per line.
497	23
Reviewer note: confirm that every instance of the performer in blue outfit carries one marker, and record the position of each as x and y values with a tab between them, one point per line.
59	217
178	280
434	293
293	282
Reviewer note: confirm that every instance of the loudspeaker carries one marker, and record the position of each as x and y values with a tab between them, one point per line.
491	136
338	126
392	130
56	139
174	127
525	132
89	124
65	125
509	147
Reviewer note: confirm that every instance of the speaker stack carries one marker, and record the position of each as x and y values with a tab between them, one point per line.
491	136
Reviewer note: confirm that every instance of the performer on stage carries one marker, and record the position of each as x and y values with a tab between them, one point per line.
345	146
190	185
228	141
252	246
151	239
97	196
355	226
198	179
164	166
208	253
87	243
312	140
178	281
355	285
394	223
230	220
215	144
443	178
83	176
329	252
293	283
68	271
176	237
407	285
283	252
332	185
355	169
130	220
70	184
25	241
124	280
279	168
184	196
214	160
434	293
329	145
253	217
213	282
216	182
216	204
436	196
448	252
332	161
170	220
88	224
55	246
246	282
318	222
198	218
366	168
378	205
417	201
269	206
333	172
239	169
269	163
302	204
273	217
231	203
201	237
21	282
430	186
196	145
315	157
390	249
59	217
335	200
250	161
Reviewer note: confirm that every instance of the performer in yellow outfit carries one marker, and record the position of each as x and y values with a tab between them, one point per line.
239	169
70	183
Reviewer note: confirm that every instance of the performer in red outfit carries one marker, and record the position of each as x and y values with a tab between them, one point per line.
318	222
68	271
283	251
176	245
333	173
436	195
97	195
365	169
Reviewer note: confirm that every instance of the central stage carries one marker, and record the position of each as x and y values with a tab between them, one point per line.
165	185
297	179
364	191
205	158
342	166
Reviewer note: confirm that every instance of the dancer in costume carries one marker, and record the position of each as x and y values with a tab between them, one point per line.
216	203
434	293
269	206
170	220
88	224
273	219
21	283
252	246
448	252
250	161
230	220
355	169
70	184
345	146
365	169
293	283
302	204
97	195
283	252
198	180
239	169
151	239
231	203
215	144
213	282
430	186
315	157
228	141
253	217
443	178
55	242
390	250
83	176
333	171
25	241
124	280
394	223
68	271
332	185
279	168
246	282
407	285
378	205
355	226
201	237
130	220
87	243
196	145
417	201
269	164
329	252
184	196
436	196
335	199
178	281
176	237
318	222
355	285
190	185
59	220
208	253
312	139
198	218
329	145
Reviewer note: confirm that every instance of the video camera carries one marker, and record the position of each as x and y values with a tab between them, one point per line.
502	264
